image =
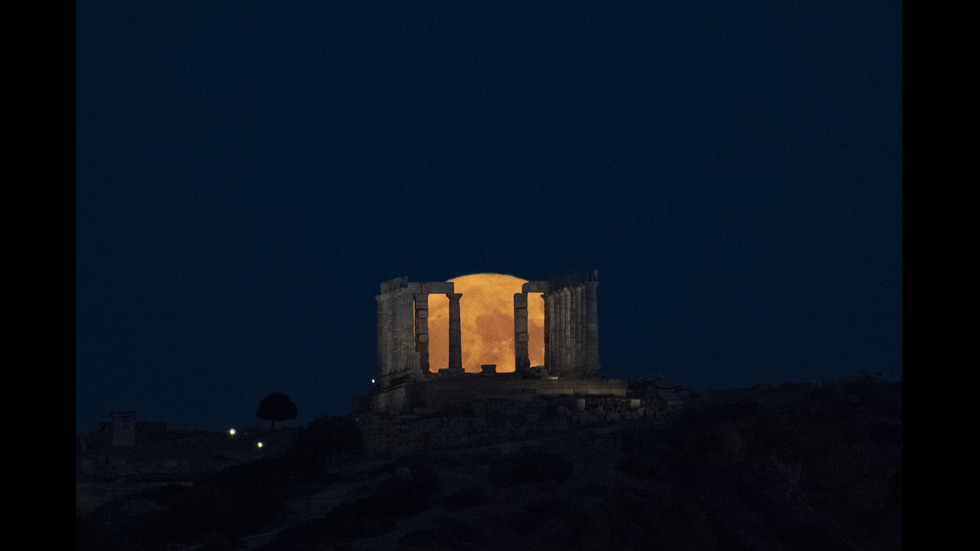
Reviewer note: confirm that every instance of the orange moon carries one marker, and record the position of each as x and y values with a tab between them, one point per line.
486	312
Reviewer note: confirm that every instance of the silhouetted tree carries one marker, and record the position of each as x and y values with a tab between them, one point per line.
276	407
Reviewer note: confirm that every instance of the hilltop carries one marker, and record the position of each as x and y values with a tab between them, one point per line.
782	467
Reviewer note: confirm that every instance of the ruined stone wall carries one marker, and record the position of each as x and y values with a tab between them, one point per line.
572	326
492	421
403	329
397	354
439	392
412	408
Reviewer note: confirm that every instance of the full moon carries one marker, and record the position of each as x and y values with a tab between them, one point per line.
486	312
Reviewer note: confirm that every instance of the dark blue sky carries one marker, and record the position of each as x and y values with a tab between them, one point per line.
247	173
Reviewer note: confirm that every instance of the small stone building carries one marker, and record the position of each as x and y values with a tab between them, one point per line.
119	429
123	427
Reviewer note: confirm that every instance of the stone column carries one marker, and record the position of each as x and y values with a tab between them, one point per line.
406	357
521	361
591	330
384	335
566	331
549	323
556	340
422	330
580	326
455	335
398	357
561	347
563	293
575	307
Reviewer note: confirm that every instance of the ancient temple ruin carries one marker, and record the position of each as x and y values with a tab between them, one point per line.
571	337
571	347
411	408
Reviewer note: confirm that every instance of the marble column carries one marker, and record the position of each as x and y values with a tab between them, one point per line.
567	344
575	306
591	330
397	353
561	344
455	335
549	323
550	338
580	326
422	330
406	359
384	332
521	361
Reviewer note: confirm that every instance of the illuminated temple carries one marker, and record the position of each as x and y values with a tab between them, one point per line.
410	406
571	335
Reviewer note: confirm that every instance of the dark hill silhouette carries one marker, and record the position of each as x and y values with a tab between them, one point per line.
781	468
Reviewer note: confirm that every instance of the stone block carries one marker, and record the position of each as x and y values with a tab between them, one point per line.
535	287
438	287
393	284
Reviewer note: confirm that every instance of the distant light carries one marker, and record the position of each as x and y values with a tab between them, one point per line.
231	432
259	444
372	381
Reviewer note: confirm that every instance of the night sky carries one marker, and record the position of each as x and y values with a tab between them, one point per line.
247	174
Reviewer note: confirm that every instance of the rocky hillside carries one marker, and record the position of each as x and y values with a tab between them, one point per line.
795	467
